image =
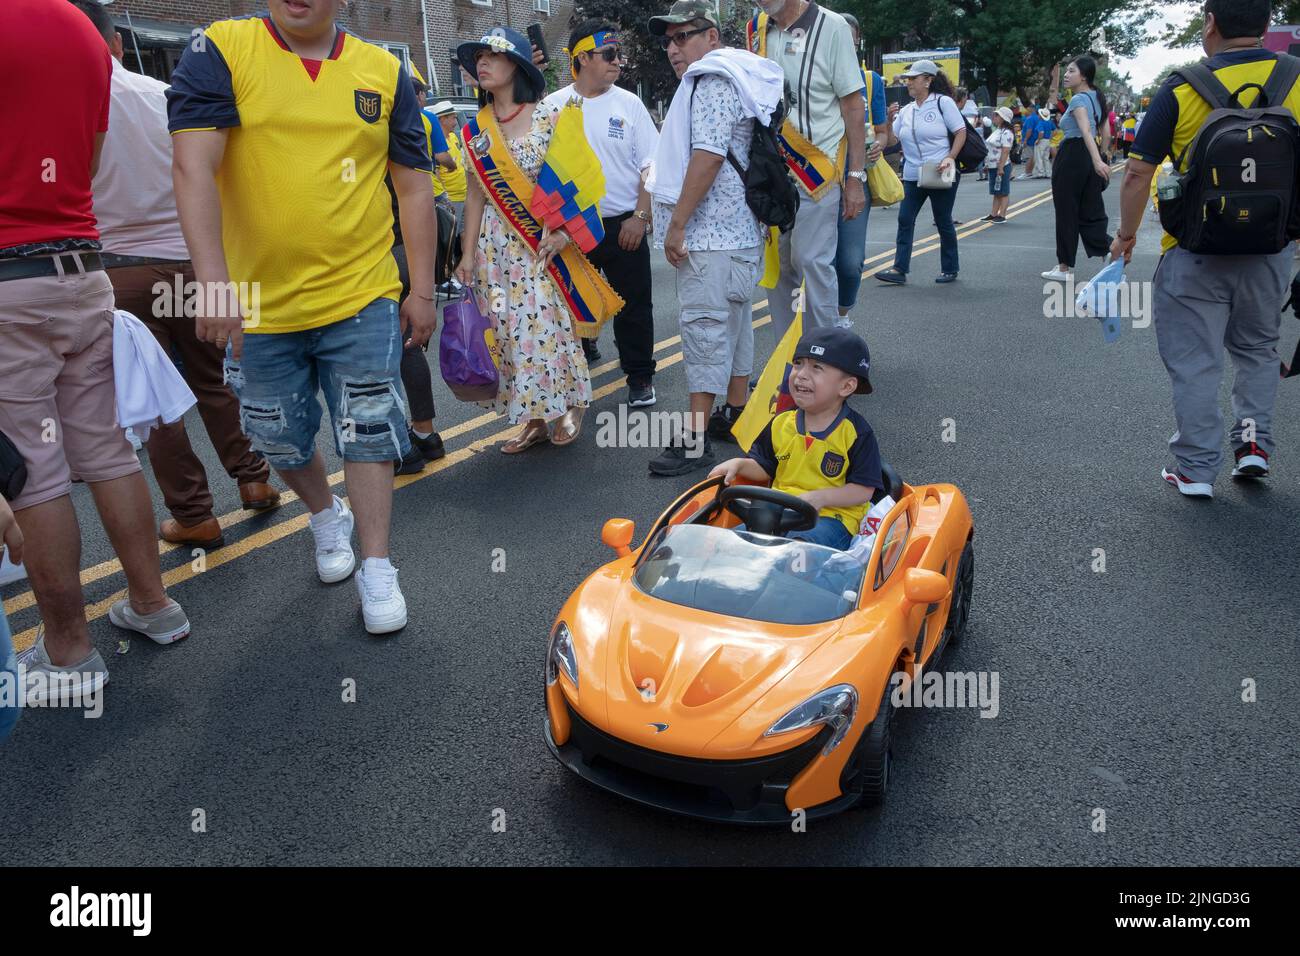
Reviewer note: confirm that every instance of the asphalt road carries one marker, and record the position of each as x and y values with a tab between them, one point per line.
1118	690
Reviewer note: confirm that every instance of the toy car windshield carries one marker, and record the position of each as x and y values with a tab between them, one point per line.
751	576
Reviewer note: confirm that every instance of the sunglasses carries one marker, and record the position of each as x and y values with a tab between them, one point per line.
679	39
609	54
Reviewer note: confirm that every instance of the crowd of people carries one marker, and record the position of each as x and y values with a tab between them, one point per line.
290	155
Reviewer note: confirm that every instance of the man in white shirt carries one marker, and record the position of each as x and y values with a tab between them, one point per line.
148	263
702	220
623	137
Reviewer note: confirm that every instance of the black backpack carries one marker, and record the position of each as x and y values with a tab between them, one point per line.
770	191
1238	192
973	152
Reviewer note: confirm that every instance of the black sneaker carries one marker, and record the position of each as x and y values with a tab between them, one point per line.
943	277
998	219
721	420
422	450
590	349
676	458
988	218
640	394
892	276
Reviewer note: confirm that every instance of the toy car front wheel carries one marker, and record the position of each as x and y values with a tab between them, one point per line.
868	769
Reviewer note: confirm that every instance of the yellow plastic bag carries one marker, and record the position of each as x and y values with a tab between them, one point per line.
882	181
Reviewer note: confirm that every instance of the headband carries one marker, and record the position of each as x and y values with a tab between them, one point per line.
586	44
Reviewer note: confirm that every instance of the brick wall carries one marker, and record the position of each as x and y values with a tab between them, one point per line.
393	21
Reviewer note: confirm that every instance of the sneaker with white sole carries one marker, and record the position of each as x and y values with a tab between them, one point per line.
382	606
162	627
332	530
43	682
1192	489
1056	275
1252	462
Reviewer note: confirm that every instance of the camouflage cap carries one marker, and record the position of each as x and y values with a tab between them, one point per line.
685	11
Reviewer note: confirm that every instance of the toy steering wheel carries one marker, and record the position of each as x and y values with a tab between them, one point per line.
766	510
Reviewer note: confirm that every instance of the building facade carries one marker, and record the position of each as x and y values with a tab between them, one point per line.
420	32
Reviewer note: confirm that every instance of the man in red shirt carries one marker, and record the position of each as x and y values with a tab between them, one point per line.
57	397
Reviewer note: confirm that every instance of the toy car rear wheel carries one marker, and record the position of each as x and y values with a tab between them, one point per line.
959	615
868	769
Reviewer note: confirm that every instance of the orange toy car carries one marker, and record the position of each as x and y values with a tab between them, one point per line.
741	676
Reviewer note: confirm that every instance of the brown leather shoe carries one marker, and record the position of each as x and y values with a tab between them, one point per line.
258	496
205	534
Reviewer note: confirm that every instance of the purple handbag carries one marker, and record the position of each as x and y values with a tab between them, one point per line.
467	351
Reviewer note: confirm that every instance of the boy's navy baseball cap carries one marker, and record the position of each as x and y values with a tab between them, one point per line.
840	348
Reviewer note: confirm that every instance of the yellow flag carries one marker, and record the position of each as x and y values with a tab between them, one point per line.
772	394
771	259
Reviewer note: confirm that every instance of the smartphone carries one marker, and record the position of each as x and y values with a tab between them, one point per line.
538	40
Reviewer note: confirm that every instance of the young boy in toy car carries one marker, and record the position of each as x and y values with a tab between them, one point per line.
821	450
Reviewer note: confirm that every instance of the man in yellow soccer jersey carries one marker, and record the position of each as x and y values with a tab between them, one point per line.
283	128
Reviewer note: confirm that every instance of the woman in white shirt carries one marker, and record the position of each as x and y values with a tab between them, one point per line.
923	127
998	164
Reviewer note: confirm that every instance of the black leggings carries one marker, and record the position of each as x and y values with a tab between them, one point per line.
1080	209
417	380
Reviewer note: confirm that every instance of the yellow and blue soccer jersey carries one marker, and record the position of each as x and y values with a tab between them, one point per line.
1177	111
846	453
305	212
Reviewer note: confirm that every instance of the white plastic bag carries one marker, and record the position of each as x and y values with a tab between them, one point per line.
1101	297
862	543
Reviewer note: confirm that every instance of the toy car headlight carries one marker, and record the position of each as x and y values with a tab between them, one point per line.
835	706
560	656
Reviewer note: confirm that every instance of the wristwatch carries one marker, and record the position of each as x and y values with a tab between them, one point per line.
644	217
859	174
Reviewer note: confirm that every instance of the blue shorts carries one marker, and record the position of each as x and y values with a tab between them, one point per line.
1006	181
356	363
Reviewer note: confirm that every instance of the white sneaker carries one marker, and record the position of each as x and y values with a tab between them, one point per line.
382	606
1192	489
333	534
1056	274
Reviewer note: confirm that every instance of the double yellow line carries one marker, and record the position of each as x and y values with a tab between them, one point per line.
282	529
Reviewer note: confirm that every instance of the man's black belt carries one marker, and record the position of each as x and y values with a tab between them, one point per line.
114	261
34	267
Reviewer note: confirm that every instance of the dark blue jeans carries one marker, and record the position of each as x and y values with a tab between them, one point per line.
941	201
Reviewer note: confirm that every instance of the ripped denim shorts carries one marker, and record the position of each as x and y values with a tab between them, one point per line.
356	363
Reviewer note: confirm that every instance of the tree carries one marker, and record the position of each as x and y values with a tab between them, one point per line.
1006	44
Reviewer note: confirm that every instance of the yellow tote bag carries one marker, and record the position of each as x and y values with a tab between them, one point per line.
882	181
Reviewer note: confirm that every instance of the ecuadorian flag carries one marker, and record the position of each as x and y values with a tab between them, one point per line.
570	183
772	393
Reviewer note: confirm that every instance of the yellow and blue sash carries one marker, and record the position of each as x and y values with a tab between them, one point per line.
590	299
811	168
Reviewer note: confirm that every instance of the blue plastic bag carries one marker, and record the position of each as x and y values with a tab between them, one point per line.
1101	297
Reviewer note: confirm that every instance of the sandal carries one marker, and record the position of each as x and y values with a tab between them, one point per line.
567	427
531	434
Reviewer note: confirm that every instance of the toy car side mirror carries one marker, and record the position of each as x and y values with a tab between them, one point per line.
924	587
617	534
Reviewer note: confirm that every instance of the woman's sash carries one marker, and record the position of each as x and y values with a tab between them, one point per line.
590	299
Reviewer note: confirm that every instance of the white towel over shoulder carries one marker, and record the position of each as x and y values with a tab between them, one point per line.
759	82
150	392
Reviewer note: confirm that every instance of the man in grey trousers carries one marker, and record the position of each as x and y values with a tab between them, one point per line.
1206	304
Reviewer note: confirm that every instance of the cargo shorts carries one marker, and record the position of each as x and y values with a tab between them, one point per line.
715	289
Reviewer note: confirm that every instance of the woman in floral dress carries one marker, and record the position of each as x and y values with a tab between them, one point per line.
543	372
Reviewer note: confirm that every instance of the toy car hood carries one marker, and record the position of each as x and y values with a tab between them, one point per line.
688	682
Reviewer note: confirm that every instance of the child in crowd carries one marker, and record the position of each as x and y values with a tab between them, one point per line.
821	450
998	164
